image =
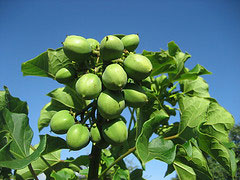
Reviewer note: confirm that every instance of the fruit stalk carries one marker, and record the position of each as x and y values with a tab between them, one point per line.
95	157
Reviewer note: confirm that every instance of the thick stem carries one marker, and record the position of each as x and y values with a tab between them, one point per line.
117	160
95	157
32	171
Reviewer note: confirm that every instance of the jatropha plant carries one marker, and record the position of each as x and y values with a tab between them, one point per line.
99	81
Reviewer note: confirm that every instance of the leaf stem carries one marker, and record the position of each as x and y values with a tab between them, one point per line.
117	160
32	171
172	137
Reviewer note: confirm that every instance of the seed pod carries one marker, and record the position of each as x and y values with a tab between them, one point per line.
77	137
110	104
114	77
111	48
89	86
137	66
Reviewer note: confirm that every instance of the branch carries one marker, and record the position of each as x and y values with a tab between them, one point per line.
32	171
95	157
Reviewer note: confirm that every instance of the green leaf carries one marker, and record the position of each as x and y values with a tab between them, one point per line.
173	48
121	174
68	97
39	166
48	111
184	171
158	148
162	62
219	122
218	151
136	174
13	104
193	113
63	175
194	73
53	144
196	161
15	154
46	64
197	87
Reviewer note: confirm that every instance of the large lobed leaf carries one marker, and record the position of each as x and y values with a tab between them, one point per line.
46	64
15	154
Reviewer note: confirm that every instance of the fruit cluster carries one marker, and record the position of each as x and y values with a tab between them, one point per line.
113	84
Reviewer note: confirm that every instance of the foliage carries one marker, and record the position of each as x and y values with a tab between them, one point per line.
165	87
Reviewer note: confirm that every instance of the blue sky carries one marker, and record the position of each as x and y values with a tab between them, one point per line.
208	30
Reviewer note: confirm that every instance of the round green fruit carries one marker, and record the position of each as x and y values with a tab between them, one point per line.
77	48
130	42
89	86
93	43
115	132
134	95
110	104
65	74
77	137
137	66
111	48
61	122
95	134
114	77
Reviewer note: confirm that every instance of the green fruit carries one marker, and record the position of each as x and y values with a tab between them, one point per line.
111	48
77	48
134	95
115	132
89	86
130	42
110	104
137	66
95	134
77	137
93	43
61	122
114	77
65	74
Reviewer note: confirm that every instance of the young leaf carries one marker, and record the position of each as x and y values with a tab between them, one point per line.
173	48
197	87
158	148
162	62
15	154
193	73
121	174
68	97
46	64
13	104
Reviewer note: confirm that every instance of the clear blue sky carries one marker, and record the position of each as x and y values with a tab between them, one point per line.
208	30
